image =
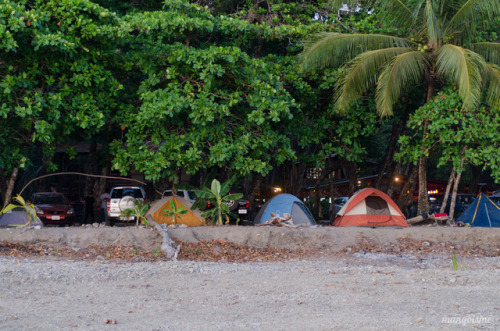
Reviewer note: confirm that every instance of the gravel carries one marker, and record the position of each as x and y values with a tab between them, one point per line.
362	291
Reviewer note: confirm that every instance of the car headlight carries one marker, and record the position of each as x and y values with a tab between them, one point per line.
71	211
38	210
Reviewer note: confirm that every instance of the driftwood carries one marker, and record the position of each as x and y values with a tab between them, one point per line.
428	217
283	220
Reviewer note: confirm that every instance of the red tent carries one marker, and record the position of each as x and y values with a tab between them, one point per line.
370	207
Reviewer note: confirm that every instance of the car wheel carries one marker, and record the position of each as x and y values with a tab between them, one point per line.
232	204
109	221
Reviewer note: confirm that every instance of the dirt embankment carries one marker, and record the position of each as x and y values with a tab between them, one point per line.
325	238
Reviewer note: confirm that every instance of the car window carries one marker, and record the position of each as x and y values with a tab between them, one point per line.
49	199
123	192
167	194
465	199
339	201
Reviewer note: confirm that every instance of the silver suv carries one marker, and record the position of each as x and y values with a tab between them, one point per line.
189	195
120	199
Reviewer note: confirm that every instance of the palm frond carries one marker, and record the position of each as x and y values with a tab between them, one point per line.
470	13
463	67
403	15
334	49
404	71
361	74
490	51
492	84
432	24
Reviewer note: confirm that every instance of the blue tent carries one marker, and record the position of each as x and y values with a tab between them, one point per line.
481	212
285	203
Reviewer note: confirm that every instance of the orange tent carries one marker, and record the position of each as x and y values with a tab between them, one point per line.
191	218
370	207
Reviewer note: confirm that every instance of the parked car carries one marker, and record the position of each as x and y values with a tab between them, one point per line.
120	199
53	208
239	208
462	203
338	203
189	195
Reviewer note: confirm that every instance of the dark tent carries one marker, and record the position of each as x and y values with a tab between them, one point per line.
482	212
285	203
16	216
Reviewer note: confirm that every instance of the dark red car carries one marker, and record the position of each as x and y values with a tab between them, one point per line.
53	208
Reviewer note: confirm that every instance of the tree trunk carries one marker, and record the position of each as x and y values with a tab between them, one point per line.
454	196
3	188
476	176
455	189
91	167
256	188
408	189
353	177
391	148
423	199
10	186
395	170
448	188
333	194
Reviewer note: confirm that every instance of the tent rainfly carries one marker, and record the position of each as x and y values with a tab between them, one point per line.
370	207
286	203
482	212
17	217
191	218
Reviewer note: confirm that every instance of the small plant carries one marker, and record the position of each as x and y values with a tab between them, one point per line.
219	194
138	212
455	263
157	252
29	208
175	212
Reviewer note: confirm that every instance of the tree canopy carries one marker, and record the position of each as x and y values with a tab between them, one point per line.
184	86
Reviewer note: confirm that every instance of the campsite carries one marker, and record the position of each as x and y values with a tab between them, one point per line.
249	165
299	277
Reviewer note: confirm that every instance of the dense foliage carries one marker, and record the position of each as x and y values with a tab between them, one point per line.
182	86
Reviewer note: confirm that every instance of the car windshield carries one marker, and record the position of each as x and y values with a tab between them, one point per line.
339	201
123	192
466	199
48	199
167	194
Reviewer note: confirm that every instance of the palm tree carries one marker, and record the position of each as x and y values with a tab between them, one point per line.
440	49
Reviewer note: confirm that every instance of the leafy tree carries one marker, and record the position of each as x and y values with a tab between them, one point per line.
213	106
459	136
56	78
437	49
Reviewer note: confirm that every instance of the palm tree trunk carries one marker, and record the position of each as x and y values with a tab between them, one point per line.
423	199
389	153
10	186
